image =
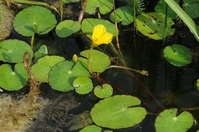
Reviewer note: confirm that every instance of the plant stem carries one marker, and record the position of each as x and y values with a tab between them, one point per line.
61	9
83	7
32	41
143	72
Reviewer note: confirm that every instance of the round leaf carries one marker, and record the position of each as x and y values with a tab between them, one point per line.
67	28
120	111
63	74
91	128
13	80
34	19
152	25
104	6
177	55
13	50
98	60
89	23
103	92
169	121
41	69
83	85
122	14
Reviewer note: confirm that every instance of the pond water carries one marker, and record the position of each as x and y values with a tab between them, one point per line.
165	87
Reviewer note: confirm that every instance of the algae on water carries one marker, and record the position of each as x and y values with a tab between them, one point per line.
6	18
16	114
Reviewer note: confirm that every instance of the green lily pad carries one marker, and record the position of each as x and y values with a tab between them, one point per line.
98	60
161	7
120	111
191	8
91	128
13	50
34	19
83	85
104	6
12	80
89	23
67	28
152	25
103	91
177	55
41	69
63	74
170	121
122	14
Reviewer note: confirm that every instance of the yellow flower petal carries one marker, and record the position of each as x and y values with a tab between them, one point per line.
98	31
104	39
101	36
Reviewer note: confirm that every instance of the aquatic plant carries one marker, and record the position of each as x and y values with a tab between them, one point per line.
26	63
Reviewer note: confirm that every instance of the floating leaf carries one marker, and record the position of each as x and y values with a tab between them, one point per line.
89	23
177	55
152	25
34	19
41	69
13	50
122	14
41	52
103	91
13	80
62	75
170	121
67	28
161	7
120	111
91	128
83	85
104	6
98	60
191	8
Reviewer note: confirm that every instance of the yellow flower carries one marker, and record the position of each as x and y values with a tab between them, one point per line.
101	36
